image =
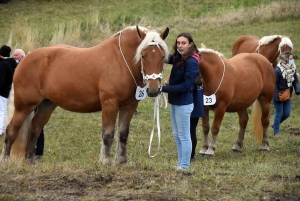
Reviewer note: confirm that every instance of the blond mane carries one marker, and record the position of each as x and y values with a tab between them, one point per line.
204	49
268	39
152	37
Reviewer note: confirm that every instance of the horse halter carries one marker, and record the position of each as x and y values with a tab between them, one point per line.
153	76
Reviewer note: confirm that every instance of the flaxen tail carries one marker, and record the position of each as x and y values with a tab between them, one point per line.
256	121
19	147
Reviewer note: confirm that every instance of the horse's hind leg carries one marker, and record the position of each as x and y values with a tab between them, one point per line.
42	116
205	130
109	116
265	120
12	129
125	117
243	121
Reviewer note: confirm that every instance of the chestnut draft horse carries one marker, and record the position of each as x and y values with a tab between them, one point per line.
236	84
103	78
269	46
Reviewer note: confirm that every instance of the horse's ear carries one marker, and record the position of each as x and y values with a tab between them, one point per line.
165	34
291	36
140	33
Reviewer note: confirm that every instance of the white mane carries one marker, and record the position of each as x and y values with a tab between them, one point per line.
151	37
285	41
268	39
203	49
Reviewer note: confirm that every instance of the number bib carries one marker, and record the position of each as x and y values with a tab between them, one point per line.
140	93
209	100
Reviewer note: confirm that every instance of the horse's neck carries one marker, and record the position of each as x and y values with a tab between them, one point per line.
211	69
125	49
270	51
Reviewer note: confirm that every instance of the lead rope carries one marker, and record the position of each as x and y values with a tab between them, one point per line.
222	75
156	104
159	101
125	59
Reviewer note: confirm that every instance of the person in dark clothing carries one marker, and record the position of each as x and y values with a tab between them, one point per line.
7	69
180	89
197	112
39	150
286	78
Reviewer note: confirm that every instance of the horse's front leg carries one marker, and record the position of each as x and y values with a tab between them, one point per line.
218	117
125	117
243	121
109	116
205	129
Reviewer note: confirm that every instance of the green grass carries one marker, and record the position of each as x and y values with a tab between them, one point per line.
70	169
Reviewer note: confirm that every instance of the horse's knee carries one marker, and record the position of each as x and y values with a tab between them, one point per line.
107	138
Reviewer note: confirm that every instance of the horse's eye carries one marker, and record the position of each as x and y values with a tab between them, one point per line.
143	56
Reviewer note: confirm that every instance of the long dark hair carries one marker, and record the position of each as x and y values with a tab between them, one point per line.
193	49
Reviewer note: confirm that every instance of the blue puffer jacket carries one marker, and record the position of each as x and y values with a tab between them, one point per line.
181	82
281	84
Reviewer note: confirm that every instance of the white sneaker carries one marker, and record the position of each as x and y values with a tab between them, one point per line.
180	169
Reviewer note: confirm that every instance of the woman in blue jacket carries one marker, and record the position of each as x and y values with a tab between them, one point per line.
286	77
180	94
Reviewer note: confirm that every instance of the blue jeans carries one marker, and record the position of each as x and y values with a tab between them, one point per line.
180	117
282	112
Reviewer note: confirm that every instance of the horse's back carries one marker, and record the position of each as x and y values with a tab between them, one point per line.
245	44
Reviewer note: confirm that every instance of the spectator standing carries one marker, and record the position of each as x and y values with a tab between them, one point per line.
286	78
7	69
180	94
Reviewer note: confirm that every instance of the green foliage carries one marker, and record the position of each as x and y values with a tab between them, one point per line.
70	169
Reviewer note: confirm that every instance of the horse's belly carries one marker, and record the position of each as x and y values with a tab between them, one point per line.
77	107
236	108
78	104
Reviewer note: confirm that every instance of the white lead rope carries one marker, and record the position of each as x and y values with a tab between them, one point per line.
159	101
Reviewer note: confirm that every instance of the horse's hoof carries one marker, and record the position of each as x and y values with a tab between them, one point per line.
265	149
105	161
236	151
202	154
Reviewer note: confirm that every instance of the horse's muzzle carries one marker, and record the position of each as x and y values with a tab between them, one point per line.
153	92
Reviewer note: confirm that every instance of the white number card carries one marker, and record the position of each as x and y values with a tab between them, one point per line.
209	100
140	93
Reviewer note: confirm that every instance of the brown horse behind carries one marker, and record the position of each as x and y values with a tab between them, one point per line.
269	46
101	78
236	83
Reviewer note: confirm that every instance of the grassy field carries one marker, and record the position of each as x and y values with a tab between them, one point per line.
70	169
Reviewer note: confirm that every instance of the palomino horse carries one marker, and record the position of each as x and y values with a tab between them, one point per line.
236	84
103	78
269	46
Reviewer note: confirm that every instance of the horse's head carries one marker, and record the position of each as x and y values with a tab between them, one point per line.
285	45
151	54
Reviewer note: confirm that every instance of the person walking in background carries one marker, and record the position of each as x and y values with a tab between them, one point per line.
197	112
286	78
180	88
7	69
